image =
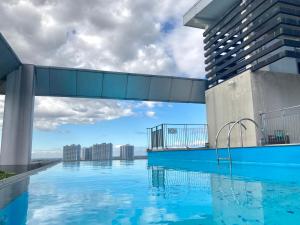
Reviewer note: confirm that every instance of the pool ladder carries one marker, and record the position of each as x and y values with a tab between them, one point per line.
230	128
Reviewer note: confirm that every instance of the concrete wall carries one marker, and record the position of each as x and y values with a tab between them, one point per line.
248	95
272	155
273	91
227	102
290	66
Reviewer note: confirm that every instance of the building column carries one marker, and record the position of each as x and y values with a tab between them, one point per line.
16	141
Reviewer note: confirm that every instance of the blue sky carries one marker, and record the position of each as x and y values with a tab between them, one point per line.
131	129
122	35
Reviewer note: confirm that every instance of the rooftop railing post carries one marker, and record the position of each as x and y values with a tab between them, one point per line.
152	141
148	138
156	134
186	138
241	134
162	135
166	138
262	122
284	127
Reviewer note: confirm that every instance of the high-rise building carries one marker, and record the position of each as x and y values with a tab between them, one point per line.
250	35
102	151
86	154
71	152
252	64
127	152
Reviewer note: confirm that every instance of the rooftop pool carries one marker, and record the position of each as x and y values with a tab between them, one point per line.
155	192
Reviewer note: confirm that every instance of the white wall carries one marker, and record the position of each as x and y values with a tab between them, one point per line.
248	95
227	102
273	91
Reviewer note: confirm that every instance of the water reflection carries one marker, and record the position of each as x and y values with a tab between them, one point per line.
166	178
178	193
184	194
127	162
157	177
102	164
237	201
75	166
234	200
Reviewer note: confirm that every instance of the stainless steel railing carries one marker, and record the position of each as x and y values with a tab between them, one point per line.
231	125
282	126
227	125
168	136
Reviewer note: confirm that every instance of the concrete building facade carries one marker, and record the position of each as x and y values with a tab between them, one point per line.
247	96
127	152
86	153
71	153
102	151
252	63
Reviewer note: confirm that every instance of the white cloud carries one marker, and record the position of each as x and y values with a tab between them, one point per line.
50	112
123	35
149	104
187	49
118	35
76	111
150	113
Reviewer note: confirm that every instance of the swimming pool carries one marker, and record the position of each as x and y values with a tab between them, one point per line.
143	192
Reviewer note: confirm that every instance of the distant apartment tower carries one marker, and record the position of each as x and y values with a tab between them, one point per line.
71	152
127	152
102	151
86	154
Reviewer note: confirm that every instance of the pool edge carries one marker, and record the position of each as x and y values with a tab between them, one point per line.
13	179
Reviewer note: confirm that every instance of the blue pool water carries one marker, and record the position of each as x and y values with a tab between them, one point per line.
193	193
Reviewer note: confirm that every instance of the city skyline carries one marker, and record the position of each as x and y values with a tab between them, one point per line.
119	131
97	152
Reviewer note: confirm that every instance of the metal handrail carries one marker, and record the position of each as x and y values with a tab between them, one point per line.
179	124
280	125
280	110
218	134
237	122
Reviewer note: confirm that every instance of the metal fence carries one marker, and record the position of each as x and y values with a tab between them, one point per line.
282	126
168	136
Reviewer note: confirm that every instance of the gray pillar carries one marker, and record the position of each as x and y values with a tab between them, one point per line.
18	117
